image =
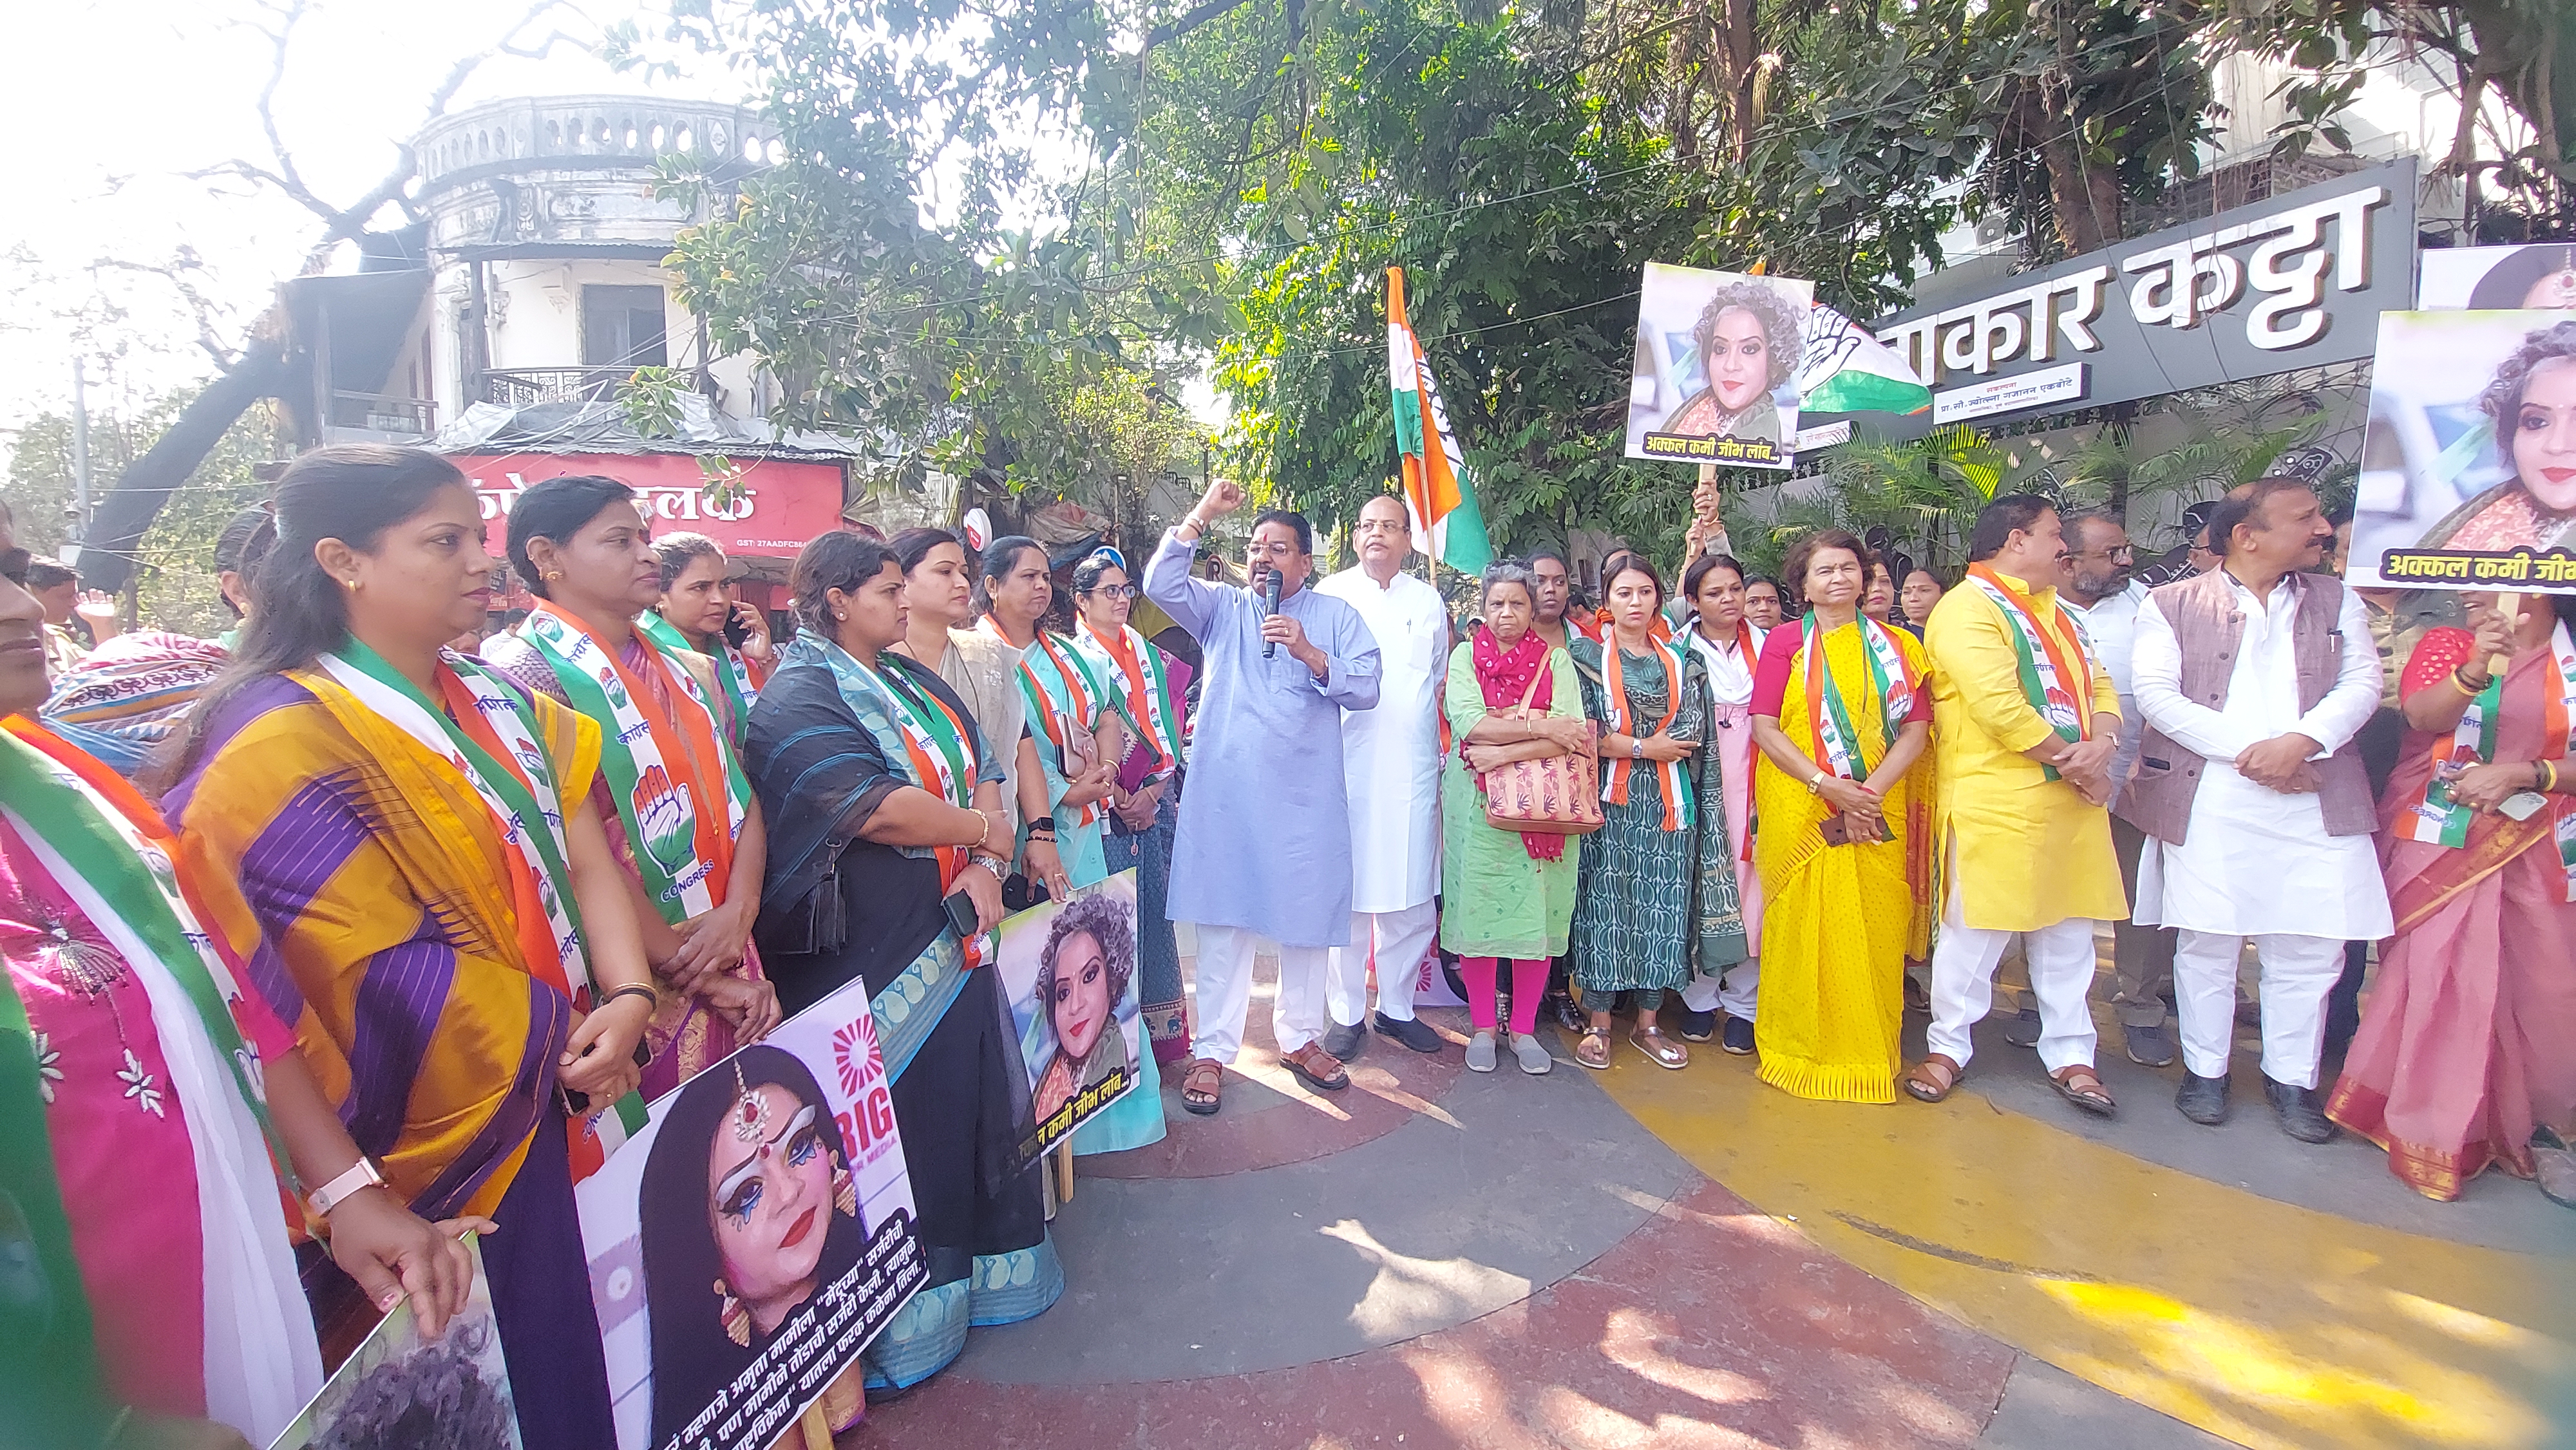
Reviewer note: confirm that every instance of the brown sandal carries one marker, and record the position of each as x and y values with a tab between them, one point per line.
2081	1085
1316	1068
1926	1083
1662	1051
1593	1050
1203	1086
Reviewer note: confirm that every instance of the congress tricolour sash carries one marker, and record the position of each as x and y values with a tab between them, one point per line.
499	755
1833	742
682	826
1614	784
1150	698
733	673
2437	819
2057	681
1072	704
929	742
116	859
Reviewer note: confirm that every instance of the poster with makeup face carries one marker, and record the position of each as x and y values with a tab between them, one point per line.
2468	465
752	1237
1069	972
1716	367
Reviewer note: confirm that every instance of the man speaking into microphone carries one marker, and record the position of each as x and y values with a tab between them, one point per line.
1264	846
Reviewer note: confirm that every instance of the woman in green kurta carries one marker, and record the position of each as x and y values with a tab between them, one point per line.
1657	899
1504	894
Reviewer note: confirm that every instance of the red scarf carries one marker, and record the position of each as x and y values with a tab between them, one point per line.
1503	674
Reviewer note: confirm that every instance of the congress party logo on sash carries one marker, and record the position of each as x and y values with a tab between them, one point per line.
666	820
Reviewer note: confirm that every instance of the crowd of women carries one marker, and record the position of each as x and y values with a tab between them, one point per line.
388	912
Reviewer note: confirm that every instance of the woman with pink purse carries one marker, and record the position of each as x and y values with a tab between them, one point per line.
1515	719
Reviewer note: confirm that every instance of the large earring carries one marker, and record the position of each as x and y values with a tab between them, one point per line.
735	1318
845	1190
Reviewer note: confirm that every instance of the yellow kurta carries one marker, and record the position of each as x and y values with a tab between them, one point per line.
2027	852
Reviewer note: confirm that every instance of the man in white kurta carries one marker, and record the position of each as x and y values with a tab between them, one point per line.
2276	842
1391	766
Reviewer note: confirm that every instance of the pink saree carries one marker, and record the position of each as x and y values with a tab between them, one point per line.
2463	1041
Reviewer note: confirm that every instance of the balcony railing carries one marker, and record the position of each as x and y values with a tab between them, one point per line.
383	413
527	387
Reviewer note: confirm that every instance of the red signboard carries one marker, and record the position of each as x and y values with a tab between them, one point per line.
782	503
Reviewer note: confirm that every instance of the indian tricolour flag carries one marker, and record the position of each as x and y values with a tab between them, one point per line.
1438	489
600	1135
1846	370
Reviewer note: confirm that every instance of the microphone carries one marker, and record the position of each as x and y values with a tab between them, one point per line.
1270	606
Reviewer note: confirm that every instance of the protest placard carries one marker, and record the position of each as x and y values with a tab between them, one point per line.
1717	359
1068	970
753	1237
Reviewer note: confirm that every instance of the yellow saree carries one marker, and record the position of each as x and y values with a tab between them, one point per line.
382	882
1839	921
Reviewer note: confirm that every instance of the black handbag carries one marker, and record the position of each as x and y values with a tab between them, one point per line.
818	923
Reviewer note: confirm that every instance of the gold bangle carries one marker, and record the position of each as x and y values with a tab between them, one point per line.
2460	682
2551	767
983	835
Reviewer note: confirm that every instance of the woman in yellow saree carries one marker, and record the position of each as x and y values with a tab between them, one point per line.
445	926
1842	803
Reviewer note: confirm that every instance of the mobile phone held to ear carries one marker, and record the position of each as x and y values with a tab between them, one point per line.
961	913
736	632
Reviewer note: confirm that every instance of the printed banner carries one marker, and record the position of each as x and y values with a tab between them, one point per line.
2497	279
752	1237
401	1388
2468	475
1717	359
1069	971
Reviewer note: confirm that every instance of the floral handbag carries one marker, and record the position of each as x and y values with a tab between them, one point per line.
1558	796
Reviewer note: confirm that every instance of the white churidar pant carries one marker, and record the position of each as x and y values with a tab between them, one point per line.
1400	939
2298	971
1224	978
2061	961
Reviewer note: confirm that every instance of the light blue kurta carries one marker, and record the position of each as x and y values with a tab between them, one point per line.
1265	834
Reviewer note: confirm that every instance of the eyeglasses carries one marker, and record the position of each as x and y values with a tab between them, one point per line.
1116	591
1381	526
1273	551
2121	555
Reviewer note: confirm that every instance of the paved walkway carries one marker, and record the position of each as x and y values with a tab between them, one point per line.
1643	1258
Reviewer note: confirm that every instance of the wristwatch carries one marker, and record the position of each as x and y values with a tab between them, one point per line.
1816	783
361	1174
1637	748
1000	867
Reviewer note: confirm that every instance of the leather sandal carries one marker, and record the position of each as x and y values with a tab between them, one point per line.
1659	1049
1203	1086
1316	1068
1927	1083
2081	1085
1593	1050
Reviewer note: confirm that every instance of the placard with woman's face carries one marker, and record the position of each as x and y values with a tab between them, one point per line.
2468	472
753	1236
1716	367
1068	969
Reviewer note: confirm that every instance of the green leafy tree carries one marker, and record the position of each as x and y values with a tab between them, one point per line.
174	588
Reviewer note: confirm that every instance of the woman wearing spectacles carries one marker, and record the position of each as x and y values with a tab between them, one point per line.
1147	802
